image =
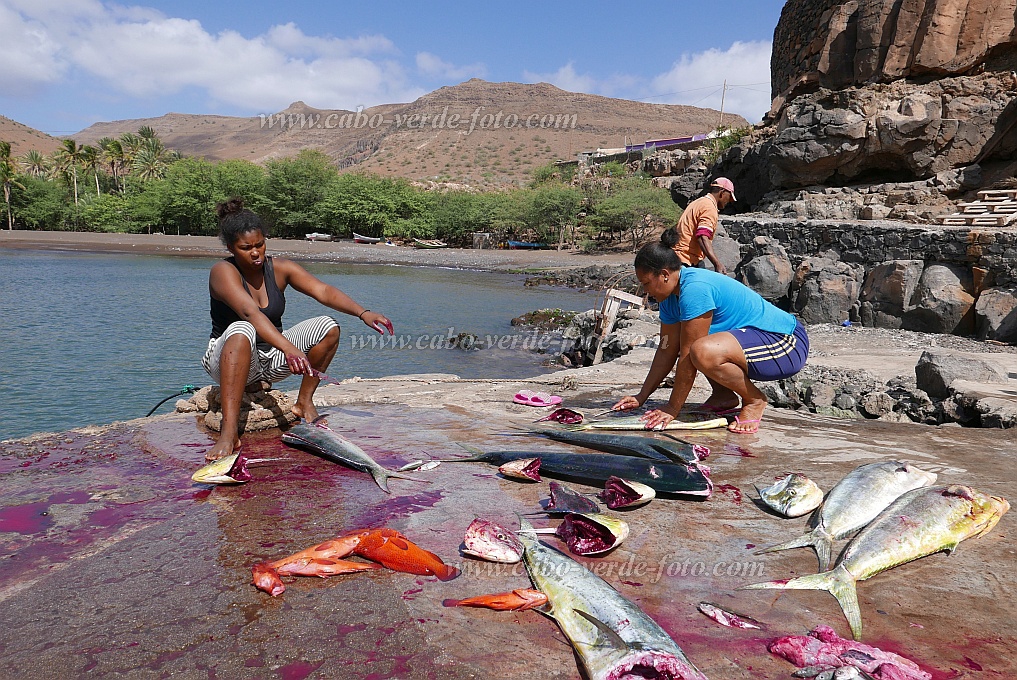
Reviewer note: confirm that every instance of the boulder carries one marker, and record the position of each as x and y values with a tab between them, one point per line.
766	269
888	288
996	315
943	302
936	370
824	290
997	412
877	404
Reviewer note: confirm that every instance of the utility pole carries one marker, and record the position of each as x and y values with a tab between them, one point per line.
723	94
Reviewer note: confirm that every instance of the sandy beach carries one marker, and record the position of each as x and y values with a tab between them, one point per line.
334	251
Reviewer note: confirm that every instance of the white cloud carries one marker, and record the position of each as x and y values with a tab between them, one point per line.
141	52
565	78
433	66
698	79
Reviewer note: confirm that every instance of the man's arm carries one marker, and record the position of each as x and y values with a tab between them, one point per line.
706	243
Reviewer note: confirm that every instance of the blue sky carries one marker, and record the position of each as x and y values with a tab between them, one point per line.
69	63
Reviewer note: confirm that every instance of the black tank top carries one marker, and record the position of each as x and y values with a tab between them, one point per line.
223	315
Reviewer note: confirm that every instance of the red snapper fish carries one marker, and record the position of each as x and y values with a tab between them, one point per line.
385	546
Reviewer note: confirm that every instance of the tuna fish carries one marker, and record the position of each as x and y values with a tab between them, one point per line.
854	502
612	637
919	523
329	444
793	496
564	499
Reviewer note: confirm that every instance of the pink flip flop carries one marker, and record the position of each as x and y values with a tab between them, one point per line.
528	398
738	421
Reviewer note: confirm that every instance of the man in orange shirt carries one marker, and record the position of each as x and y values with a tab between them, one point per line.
698	224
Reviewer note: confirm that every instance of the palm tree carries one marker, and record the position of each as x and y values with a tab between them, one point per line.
129	144
152	159
68	156
8	179
91	160
34	163
147	132
113	155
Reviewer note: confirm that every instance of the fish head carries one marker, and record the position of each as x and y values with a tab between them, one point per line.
488	541
590	534
650	663
793	496
985	510
228	470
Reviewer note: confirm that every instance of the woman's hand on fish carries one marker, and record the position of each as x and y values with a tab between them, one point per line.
627	404
657	419
378	322
298	363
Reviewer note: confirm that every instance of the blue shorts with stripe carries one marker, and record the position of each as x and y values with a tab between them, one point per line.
773	356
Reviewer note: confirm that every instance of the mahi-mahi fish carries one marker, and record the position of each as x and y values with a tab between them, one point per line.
613	638
854	502
324	441
919	523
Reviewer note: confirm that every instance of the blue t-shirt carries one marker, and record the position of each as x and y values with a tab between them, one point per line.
733	304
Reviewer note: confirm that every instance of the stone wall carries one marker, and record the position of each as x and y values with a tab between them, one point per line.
873	243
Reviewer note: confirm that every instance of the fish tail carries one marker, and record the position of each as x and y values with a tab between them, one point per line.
817	538
381	477
837	582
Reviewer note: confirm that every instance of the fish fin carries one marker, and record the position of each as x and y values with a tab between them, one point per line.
672	456
838	582
523	524
612	637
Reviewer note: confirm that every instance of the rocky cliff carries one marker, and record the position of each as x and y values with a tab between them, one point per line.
825	43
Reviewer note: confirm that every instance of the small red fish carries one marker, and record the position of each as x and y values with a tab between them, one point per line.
323	567
515	601
393	550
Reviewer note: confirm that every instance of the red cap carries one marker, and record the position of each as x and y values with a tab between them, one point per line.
725	183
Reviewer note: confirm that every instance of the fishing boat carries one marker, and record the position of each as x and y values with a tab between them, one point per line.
523	245
318	237
429	243
359	238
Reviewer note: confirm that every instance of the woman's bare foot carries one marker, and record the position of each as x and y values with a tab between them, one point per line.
306	412
223	448
747	421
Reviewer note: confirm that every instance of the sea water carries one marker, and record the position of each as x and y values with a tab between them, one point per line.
92	338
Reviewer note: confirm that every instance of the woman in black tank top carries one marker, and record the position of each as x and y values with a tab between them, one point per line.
246	304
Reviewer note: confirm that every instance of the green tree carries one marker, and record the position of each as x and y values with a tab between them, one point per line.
367	204
8	179
554	210
67	158
34	163
41	205
241	178
91	161
294	188
187	197
109	213
151	160
113	157
630	207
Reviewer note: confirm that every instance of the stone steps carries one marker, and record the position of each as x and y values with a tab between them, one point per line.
995	208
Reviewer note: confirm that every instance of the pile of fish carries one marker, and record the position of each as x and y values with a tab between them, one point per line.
922	521
385	546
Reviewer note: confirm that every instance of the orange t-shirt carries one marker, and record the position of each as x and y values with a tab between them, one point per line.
700	215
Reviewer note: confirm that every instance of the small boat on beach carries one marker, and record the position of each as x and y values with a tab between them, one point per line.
318	237
359	238
429	243
524	245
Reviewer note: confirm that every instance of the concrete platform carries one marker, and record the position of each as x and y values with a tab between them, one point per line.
114	564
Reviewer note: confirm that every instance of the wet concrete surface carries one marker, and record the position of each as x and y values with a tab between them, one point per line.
114	564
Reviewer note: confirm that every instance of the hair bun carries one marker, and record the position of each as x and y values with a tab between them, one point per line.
233	206
669	237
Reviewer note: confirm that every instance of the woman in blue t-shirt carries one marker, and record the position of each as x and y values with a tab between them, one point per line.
714	324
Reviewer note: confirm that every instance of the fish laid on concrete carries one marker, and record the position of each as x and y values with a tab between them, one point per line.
228	470
325	442
613	637
385	546
919	523
823	651
729	619
793	496
596	468
518	600
588	534
855	501
623	493
487	540
564	499
673	451
685	421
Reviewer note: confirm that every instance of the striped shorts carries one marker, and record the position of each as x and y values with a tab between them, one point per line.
773	356
269	366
